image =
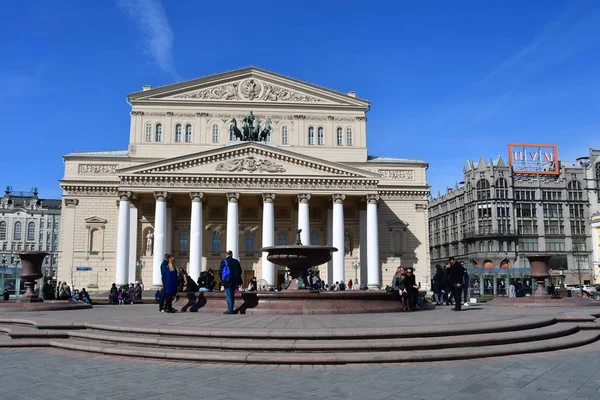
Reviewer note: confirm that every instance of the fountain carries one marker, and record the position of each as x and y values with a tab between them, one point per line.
297	298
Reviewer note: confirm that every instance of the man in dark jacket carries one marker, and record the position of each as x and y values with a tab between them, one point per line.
48	290
164	270
235	279
455	277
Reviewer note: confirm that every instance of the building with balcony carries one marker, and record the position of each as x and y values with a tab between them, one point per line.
495	217
27	223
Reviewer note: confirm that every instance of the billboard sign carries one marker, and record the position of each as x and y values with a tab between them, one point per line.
533	158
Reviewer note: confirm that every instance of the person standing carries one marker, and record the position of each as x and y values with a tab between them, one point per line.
439	283
465	287
170	285
231	277
455	277
164	268
48	290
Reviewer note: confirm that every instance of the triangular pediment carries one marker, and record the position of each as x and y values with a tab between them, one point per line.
248	86
95	220
249	159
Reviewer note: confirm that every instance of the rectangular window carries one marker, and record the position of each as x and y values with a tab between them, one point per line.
581	262
555	245
528	245
183	242
579	245
553	227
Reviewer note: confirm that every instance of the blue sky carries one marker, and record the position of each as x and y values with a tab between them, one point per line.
447	80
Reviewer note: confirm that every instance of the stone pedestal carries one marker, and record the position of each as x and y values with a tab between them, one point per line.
539	271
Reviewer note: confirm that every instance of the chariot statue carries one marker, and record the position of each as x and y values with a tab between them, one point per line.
251	129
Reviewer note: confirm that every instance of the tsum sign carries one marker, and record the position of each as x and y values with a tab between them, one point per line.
533	158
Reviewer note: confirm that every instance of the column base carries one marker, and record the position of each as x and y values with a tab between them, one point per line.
373	286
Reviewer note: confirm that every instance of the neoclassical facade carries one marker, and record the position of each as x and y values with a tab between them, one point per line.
238	161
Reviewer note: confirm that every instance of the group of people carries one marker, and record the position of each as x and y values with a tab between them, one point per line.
62	291
450	284
125	294
404	282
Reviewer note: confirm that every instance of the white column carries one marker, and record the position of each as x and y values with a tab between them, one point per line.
362	218
338	238
268	236
232	223
160	236
595	248
169	230
133	232
123	239
329	276
303	218
373	272
196	236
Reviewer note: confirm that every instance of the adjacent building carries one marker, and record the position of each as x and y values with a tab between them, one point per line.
238	161
502	211
27	223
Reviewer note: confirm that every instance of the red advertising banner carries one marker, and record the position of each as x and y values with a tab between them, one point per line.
533	158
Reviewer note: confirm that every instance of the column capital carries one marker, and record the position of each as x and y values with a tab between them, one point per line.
338	198
303	197
197	196
372	198
124	195
268	197
160	196
232	197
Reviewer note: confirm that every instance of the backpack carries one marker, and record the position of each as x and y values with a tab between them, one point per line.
226	273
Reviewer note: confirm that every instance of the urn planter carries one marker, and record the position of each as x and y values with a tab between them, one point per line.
539	271
31	270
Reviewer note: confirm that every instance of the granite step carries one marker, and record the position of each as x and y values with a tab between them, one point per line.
351	345
331	357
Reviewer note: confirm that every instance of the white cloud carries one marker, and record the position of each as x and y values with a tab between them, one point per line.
152	20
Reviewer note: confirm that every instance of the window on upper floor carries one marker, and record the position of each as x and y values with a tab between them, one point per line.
17	231
216	242
183	242
348	136
314	238
249	242
575	192
2	230
501	189
148	132
215	133
284	135
311	135
188	133
282	238
31	231
159	133
320	137
483	189
339	137
178	133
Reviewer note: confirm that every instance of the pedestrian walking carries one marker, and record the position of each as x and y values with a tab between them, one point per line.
231	277
455	276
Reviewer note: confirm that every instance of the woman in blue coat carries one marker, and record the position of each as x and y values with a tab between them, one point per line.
170	286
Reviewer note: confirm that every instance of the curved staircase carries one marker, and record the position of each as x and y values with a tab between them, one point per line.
310	346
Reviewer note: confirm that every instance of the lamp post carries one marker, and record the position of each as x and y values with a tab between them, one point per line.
140	266
356	266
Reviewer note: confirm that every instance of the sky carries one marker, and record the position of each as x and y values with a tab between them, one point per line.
447	80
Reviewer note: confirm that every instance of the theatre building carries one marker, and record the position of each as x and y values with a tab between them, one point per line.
238	161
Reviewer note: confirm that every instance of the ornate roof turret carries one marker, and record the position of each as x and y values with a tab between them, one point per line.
482	164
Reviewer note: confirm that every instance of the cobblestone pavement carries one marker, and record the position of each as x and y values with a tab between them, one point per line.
54	374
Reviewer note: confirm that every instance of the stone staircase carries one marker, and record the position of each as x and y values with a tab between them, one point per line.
309	346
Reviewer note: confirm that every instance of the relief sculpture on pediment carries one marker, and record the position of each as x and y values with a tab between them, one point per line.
249	164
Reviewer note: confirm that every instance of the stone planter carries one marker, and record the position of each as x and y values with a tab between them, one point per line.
31	270
539	271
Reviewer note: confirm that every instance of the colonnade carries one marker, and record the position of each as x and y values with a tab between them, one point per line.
268	235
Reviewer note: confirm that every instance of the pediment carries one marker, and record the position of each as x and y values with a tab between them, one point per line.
249	85
95	220
249	159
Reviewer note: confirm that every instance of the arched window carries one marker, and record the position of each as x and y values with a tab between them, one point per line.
575	192
188	133
17	231
348	136
158	133
232	137
482	247
215	133
311	135
284	135
183	242
314	238
249	242
148	132
339	137
490	246
282	238
501	189
483	189
2	230
216	242
320	137
31	231
178	133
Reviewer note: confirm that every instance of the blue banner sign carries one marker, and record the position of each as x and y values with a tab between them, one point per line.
84	268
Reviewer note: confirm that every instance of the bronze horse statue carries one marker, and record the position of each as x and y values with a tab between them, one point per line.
235	130
264	134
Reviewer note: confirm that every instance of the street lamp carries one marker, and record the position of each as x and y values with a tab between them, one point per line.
140	266
356	266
